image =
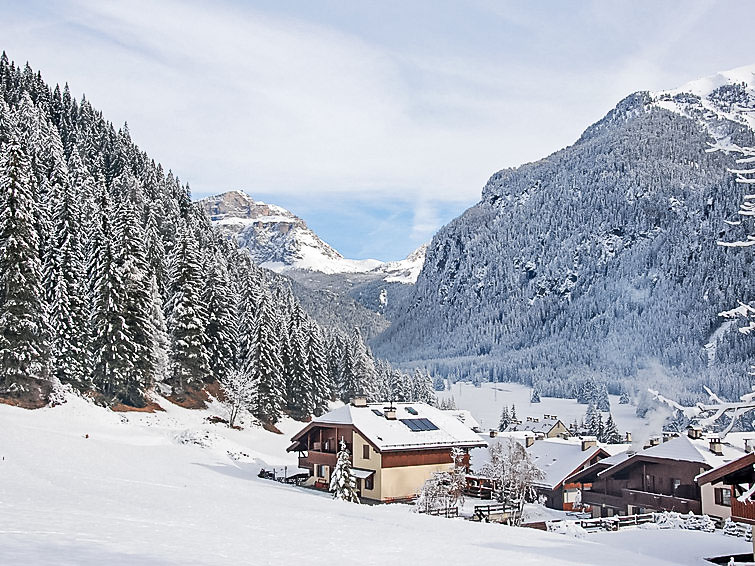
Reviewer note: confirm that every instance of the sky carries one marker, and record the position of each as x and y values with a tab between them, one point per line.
376	122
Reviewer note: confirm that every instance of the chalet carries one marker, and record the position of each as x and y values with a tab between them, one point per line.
550	426
559	459
728	484
660	477
394	448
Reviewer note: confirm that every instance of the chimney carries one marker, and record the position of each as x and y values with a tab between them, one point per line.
493	433
529	419
715	446
529	441
390	413
652	441
359	401
628	437
694	432
589	442
749	444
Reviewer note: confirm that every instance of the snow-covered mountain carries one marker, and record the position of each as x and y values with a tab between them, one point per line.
281	241
600	259
713	100
276	238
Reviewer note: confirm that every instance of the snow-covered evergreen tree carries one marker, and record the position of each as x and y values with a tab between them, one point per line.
264	365
343	484
23	324
189	359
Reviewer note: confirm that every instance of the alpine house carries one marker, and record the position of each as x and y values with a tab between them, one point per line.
394	448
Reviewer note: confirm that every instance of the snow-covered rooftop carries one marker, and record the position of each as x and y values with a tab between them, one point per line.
466	417
389	434
558	459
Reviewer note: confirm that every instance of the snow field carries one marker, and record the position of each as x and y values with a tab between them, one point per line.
140	490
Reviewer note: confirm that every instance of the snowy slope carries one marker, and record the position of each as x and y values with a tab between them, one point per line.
728	95
277	238
281	241
136	492
405	270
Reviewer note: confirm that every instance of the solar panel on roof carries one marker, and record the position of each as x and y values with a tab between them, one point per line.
419	425
411	411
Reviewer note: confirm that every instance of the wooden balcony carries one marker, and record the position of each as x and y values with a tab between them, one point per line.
313	457
743	512
643	499
661	502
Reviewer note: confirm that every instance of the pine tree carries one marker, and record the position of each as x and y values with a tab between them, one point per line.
64	274
264	365
23	328
342	482
535	397
138	308
301	388
505	420
513	413
222	317
318	370
611	432
189	360
112	349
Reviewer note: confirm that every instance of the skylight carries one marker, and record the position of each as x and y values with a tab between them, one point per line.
411	411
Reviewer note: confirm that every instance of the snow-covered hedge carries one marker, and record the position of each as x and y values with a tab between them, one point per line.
690	521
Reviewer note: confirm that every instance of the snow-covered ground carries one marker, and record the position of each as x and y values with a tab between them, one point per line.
82	485
487	401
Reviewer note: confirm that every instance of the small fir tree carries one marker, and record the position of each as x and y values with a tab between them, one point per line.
343	485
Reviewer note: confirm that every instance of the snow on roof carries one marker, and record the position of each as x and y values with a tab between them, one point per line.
395	435
683	449
558	459
466	417
540	425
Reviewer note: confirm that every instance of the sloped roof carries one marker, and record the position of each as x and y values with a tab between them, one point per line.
464	416
742	463
558	459
680	449
543	426
388	435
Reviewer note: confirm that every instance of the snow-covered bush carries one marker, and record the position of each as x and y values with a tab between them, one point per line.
690	521
567	528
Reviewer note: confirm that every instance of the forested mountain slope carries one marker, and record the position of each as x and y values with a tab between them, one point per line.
599	260
113	283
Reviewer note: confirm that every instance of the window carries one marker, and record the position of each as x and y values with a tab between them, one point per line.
675	483
321	470
723	496
366	452
369	482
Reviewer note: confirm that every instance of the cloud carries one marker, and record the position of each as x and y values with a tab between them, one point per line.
417	103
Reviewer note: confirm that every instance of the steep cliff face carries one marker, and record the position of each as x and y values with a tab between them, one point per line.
600	258
276	238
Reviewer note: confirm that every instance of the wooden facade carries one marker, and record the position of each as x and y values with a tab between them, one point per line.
643	483
738	475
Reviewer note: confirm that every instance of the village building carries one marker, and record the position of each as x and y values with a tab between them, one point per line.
558	460
394	448
661	477
550	426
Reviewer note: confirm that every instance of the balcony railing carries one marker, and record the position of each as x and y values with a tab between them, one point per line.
644	499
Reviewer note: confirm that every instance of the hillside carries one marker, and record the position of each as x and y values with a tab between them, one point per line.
279	240
600	259
165	488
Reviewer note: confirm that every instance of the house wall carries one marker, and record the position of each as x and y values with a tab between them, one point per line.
707	492
558	431
406	481
373	463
